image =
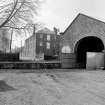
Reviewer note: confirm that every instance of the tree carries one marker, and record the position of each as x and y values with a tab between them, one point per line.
4	42
18	15
56	30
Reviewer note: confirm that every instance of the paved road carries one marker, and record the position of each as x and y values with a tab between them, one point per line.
55	88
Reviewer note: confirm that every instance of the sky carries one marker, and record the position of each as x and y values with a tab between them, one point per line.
60	13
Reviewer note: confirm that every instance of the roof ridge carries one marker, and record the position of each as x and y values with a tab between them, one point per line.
85	16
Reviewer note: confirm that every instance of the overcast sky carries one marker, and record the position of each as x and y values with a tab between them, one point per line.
60	13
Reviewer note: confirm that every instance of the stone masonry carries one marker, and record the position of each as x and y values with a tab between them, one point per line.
81	27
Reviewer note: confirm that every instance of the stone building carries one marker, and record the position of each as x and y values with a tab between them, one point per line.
84	34
42	44
28	52
47	42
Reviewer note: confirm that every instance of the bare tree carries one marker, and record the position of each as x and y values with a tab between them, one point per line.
17	13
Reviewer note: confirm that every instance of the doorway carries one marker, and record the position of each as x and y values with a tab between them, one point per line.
87	44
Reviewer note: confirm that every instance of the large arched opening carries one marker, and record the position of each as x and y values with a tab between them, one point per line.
87	44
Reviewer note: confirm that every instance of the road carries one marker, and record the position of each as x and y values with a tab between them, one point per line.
55	88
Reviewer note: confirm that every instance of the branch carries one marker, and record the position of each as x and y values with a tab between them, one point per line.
5	6
8	18
17	9
16	27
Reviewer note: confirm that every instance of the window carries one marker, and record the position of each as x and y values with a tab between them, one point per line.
48	45
55	37
41	35
41	44
48	37
66	49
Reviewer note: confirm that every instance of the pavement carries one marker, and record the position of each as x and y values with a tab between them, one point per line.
81	87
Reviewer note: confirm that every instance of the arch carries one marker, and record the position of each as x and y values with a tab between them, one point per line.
87	44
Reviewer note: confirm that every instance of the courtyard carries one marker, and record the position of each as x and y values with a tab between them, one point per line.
82	87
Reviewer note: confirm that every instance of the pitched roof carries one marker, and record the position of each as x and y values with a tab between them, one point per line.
46	31
80	14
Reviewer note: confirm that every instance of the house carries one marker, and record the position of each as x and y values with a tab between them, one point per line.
84	34
29	50
47	42
44	44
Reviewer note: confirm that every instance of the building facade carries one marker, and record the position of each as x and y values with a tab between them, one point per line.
29	50
4	40
84	34
47	42
44	43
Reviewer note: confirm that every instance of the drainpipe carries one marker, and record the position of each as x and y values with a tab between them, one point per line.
11	41
34	33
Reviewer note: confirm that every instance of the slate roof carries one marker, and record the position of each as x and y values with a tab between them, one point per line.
83	15
46	31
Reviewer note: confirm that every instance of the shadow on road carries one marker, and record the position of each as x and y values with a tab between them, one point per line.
4	87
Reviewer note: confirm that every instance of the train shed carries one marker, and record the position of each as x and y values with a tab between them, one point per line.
84	36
